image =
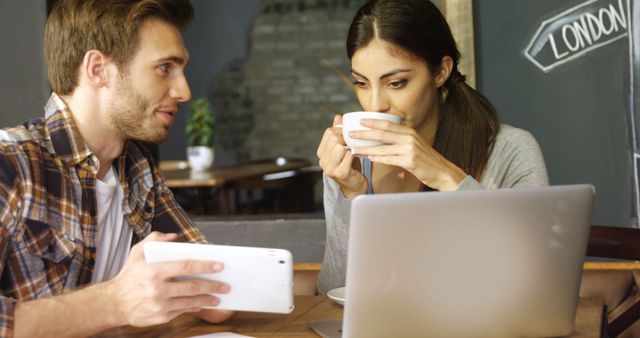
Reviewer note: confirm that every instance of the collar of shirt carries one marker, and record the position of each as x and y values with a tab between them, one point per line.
65	136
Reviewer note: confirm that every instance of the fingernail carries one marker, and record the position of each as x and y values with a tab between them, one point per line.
215	301
224	288
217	267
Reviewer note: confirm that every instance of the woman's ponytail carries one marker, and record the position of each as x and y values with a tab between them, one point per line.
468	126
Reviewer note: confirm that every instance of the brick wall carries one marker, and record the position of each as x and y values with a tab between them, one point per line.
280	99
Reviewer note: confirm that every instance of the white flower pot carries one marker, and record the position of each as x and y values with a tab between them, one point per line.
200	158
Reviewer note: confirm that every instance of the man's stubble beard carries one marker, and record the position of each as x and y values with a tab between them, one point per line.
130	118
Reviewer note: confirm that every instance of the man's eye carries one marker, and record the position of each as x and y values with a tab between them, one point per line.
397	84
164	67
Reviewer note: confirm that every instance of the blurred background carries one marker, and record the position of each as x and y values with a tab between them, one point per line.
271	72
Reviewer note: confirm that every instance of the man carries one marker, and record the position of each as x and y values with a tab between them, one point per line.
77	189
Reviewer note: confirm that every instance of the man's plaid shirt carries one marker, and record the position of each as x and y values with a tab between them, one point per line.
48	207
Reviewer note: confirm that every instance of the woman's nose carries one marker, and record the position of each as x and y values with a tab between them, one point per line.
378	102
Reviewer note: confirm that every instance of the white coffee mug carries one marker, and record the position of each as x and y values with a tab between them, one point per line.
351	121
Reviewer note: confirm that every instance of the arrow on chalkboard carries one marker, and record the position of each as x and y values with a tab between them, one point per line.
577	31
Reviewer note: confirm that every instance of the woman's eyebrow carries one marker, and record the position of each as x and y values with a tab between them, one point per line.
354	72
394	72
385	75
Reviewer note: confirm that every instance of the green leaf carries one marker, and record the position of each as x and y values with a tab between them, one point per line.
201	122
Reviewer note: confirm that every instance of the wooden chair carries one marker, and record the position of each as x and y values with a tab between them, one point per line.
618	282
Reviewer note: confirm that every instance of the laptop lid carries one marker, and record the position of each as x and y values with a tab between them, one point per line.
502	262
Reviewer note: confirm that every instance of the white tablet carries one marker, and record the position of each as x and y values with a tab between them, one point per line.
261	279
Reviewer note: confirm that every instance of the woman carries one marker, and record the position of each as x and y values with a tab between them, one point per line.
405	62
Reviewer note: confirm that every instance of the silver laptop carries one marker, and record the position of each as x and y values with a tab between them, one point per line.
478	263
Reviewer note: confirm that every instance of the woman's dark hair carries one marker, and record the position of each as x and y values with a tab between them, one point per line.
469	123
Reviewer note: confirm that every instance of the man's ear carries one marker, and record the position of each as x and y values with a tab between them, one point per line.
95	68
444	71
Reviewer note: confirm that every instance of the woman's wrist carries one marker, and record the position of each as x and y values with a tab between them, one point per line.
353	186
352	193
451	181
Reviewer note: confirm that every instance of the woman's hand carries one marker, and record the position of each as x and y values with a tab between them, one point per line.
408	150
338	162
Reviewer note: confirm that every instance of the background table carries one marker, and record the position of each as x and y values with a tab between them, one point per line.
218	176
295	176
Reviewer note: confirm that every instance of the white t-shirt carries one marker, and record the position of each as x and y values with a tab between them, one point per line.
114	233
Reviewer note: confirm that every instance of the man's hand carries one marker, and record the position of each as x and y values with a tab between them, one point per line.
141	294
146	294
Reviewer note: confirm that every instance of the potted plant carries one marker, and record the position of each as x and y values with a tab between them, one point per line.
201	131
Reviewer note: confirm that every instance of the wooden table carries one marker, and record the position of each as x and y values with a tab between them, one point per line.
588	322
628	265
218	176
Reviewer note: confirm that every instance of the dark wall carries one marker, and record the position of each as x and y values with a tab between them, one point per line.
218	35
23	82
577	111
280	98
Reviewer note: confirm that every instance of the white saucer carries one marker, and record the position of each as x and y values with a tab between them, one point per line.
337	295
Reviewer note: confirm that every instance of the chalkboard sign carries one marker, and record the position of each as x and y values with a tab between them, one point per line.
564	70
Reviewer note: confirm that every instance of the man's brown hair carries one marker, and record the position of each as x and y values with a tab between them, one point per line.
77	26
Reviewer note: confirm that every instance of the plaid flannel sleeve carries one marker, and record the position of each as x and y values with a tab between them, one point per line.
170	217
9	205
7	319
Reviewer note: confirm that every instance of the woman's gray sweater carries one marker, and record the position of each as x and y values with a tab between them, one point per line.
516	161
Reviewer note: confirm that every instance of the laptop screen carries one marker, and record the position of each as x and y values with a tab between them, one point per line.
490	262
